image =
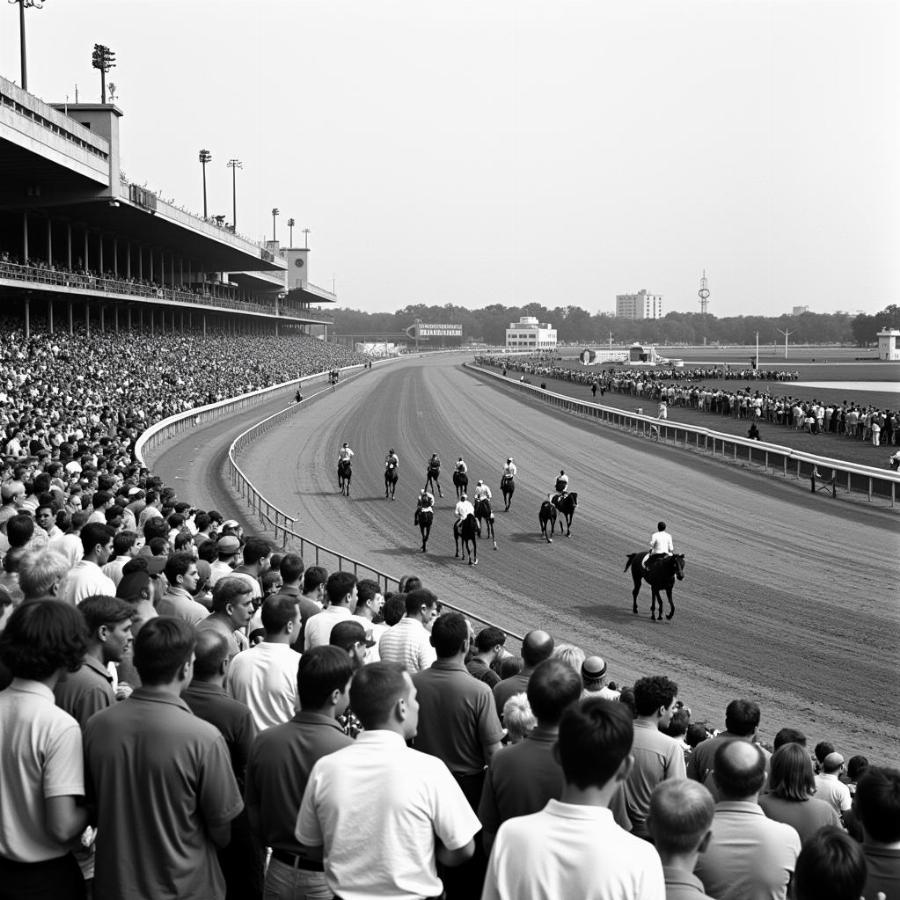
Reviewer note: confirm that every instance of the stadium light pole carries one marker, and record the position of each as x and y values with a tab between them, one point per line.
274	216
290	224
23	4
205	157
103	59
234	165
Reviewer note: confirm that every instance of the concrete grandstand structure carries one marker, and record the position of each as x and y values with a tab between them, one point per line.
74	229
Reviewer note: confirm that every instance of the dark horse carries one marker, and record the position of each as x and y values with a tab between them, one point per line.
461	482
424	519
566	504
345	473
547	516
661	577
484	513
507	488
467	532
390	479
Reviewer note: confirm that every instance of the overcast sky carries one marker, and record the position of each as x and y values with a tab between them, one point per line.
510	151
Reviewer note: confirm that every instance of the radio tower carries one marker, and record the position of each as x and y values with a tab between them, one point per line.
703	294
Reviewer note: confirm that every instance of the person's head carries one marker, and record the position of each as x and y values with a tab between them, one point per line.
43	638
227	548
681	813
257	552
696	733
791	773
678	724
155	527
164	652
856	765
660	526
291	569
490	641
421	604
450	635
383	696
822	749
184	543
593	673
831	866
280	617
655	696
570	654
233	597
349	635
553	687
739	770
833	764
181	571
511	665
369	598
409	583
341	589
314	579
202	522
124	542
878	804
44	516
101	500
108	621
394	609
211	654
594	743
536	647
19	531
789	735
323	680
97	542
271	582
518	718
12	493
41	572
742	718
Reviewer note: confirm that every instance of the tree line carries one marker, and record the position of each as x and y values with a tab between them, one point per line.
574	324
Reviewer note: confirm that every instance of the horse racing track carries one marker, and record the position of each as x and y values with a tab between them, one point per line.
788	598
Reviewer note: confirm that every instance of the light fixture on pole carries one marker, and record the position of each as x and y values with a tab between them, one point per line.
234	165
205	157
786	334
103	59
290	224
23	4
275	213
306	232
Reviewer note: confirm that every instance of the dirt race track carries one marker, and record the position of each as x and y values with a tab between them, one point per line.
789	598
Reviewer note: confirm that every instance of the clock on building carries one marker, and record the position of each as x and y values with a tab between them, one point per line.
298	263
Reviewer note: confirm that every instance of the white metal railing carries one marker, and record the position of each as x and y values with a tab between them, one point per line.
837	474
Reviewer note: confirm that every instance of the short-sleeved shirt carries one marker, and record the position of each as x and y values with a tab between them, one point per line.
833	791
508	687
657	757
40	749
160	778
265	679
407	643
179	603
457	717
317	631
86	691
85	579
479	669
807	816
682	885
383	844
281	759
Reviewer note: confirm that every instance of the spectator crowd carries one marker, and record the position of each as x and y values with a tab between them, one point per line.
186	713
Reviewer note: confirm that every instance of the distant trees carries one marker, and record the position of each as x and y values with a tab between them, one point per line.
577	325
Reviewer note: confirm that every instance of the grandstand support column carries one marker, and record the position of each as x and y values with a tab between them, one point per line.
116	317
140	250
102	317
115	257
204	326
182	321
85	264
71	322
50	314
100	269
27	318
69	244
25	237
87	317
129	317
172	270
150	260
141	320
128	265
49	241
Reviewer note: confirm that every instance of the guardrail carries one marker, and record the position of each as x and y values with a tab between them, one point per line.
773	458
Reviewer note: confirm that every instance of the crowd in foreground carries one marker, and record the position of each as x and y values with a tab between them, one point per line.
185	713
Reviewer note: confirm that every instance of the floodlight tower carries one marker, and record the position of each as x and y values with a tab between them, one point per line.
703	294
103	59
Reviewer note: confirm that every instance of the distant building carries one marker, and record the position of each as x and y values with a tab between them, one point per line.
888	341
639	306
529	334
799	310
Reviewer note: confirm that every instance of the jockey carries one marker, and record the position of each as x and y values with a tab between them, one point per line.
509	470
345	454
562	484
661	545
433	473
463	510
461	467
391	458
482	491
425	501
434	464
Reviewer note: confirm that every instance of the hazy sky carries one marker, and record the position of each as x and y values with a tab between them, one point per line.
509	151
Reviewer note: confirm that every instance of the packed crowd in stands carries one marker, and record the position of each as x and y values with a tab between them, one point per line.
853	420
186	713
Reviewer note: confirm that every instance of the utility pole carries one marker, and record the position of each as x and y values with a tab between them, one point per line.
234	165
786	334
205	157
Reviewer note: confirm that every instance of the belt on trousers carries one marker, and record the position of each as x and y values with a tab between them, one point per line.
297	862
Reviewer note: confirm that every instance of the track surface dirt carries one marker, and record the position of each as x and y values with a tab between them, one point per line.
790	599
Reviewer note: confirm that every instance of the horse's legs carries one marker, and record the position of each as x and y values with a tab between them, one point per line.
671	611
474	551
636	591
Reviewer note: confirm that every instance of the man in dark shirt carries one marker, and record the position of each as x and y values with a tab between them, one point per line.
878	808
488	648
537	646
281	759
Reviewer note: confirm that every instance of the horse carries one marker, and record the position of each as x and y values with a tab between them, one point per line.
547	515
345	473
424	519
507	488
390	479
461	482
432	480
467	532
484	513
661	576
566	504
